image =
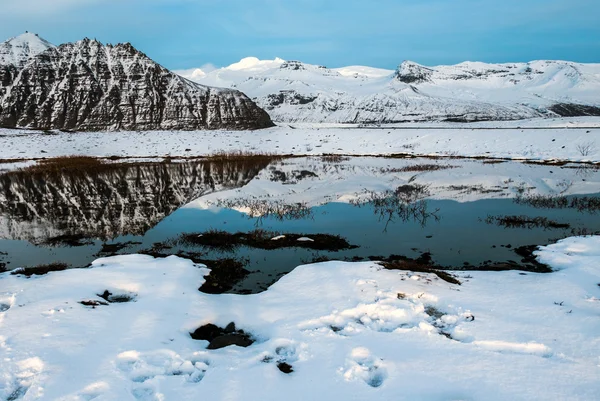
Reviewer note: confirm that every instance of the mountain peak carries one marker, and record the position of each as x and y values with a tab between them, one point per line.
16	51
410	72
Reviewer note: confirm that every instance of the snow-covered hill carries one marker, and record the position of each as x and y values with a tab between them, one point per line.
292	91
90	86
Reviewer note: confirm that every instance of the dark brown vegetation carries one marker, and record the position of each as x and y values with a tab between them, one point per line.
224	274
422	264
68	240
69	165
291	177
331	158
40	269
242	155
113	249
524	222
93	303
406	203
262	239
588	204
420	168
527	263
79	164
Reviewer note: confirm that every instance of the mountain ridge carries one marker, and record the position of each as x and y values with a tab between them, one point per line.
86	85
292	91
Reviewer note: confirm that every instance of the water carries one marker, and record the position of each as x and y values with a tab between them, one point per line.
456	233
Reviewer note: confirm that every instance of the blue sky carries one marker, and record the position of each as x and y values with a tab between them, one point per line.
380	33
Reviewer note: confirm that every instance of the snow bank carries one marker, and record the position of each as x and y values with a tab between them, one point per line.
580	142
350	331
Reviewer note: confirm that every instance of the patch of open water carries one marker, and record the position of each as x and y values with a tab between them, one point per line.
43	212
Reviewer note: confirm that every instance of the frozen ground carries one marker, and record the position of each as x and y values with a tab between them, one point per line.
350	331
575	139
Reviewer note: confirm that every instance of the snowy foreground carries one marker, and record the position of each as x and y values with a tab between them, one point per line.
573	139
351	331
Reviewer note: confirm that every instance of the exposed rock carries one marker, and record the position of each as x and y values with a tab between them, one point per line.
412	73
574	110
221	338
116	298
90	86
285	367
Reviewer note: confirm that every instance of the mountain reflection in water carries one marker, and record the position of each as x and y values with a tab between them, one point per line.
116	199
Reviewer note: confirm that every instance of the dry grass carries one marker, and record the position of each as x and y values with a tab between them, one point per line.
406	203
588	204
330	158
524	222
262	239
242	155
420	168
40	269
414	266
67	164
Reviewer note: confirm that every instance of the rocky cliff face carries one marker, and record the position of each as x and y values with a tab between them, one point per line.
109	200
90	86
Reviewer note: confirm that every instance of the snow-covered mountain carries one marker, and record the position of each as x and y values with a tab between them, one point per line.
292	91
90	86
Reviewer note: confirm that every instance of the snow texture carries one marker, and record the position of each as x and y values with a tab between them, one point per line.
350	331
537	139
292	91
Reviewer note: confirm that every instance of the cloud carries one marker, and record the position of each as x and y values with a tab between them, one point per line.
185	33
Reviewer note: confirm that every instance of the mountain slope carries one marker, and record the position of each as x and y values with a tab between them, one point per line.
90	86
292	91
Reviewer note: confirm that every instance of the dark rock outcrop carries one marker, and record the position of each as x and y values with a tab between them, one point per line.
92	87
574	110
412	73
222	337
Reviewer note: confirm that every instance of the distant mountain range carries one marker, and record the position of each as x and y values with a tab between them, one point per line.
292	91
90	86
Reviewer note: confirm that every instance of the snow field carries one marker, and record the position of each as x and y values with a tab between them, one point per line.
350	331
447	140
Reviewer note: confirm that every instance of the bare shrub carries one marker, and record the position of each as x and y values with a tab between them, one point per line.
586	148
407	203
